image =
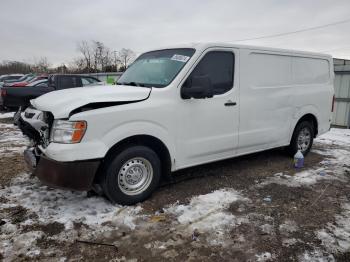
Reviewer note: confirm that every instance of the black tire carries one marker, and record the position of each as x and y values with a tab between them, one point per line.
111	183
293	147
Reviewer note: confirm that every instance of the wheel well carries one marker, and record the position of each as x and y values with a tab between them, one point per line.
150	141
312	119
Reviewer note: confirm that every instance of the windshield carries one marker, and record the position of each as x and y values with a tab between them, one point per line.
156	68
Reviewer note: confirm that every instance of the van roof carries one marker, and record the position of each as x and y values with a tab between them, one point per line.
204	46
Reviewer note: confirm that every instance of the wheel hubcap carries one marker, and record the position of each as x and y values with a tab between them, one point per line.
304	139
135	176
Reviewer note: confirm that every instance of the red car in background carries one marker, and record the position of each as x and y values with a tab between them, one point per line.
29	81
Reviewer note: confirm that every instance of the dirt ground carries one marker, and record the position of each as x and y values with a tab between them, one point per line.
274	221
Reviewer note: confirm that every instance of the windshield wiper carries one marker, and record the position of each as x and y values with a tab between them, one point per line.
132	84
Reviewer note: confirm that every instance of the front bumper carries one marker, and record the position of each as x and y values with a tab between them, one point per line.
76	175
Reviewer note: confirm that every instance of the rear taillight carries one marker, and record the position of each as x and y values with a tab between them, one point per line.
3	92
333	101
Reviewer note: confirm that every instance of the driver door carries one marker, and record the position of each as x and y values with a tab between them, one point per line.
208	127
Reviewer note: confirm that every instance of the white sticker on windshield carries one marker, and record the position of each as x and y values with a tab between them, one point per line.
180	58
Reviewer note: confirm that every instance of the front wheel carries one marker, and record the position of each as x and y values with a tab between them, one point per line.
302	138
131	175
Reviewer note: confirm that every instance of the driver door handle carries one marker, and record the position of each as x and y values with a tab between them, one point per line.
230	103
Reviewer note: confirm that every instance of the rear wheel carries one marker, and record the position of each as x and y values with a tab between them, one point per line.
131	175
302	138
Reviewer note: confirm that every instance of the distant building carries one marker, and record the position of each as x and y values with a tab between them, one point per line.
341	114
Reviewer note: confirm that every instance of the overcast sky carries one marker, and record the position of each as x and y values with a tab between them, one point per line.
37	28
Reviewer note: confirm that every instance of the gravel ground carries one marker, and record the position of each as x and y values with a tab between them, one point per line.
251	208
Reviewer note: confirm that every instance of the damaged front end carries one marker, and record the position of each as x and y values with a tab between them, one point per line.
61	154
35	125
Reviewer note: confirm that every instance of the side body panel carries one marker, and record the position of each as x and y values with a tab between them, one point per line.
265	108
277	89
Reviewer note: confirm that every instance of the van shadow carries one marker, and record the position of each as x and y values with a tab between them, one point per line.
239	173
264	160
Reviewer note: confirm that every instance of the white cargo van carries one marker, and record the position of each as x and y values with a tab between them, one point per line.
174	108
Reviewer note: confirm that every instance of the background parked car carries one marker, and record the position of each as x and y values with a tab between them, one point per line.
15	77
25	78
10	77
15	97
27	82
39	83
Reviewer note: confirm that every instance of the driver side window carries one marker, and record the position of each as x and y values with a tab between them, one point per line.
218	66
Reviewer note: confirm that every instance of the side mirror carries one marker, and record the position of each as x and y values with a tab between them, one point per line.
197	87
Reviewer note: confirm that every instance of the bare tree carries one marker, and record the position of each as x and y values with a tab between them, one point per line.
41	65
78	65
105	58
115	60
97	52
98	57
102	56
94	57
11	67
126	56
85	49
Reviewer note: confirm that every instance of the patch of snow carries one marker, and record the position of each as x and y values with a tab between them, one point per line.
45	206
170	254
303	178
10	150
288	227
54	205
336	136
266	256
8	228
20	244
11	140
163	245
206	213
335	166
336	236
33	253
7	115
316	256
338	158
201	209
289	242
267	229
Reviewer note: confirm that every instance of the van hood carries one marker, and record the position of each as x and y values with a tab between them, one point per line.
61	103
